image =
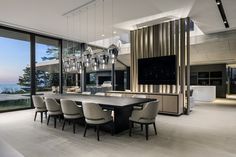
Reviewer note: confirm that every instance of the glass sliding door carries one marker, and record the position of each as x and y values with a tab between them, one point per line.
47	65
15	79
71	78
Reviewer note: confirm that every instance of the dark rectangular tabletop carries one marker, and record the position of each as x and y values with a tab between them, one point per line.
103	100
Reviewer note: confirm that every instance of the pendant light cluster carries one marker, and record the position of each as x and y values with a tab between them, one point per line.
95	61
88	58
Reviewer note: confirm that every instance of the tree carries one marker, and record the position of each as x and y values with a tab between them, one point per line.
52	53
43	79
25	79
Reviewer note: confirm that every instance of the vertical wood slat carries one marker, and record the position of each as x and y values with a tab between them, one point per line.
151	47
171	47
132	60
145	51
156	47
135	63
188	65
177	54
140	51
182	55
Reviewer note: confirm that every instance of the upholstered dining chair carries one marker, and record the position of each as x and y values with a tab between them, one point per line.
86	93
146	116
95	116
54	110
71	112
140	106
40	106
100	94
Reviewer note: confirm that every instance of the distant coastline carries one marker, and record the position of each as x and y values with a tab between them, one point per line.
10	87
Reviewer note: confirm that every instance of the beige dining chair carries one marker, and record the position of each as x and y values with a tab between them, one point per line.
71	112
146	116
95	116
54	110
40	106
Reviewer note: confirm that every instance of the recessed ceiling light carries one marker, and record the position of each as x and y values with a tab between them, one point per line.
114	32
103	35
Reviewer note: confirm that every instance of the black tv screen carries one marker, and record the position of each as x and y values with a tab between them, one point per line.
157	70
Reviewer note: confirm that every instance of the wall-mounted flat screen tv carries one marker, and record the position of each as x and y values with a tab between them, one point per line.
157	70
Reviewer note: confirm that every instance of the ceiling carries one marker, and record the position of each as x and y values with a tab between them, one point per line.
46	16
88	25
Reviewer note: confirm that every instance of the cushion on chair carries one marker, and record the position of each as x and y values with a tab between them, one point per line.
40	109
99	121
75	116
54	112
141	120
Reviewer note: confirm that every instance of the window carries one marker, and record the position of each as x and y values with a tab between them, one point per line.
15	79
47	65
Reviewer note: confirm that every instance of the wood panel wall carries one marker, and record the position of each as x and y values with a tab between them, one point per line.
160	40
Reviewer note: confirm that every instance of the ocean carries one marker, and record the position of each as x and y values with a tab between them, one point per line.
9	87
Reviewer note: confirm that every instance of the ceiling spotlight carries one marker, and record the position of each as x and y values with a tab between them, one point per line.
114	32
103	35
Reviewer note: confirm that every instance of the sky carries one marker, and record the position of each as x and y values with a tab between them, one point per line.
14	57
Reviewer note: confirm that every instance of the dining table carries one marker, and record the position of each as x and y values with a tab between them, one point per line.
122	107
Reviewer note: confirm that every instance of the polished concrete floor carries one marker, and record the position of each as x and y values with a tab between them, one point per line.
210	131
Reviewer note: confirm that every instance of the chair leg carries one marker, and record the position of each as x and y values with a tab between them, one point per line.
55	122
154	125
98	132
130	127
41	117
95	129
59	117
85	129
146	126
112	129
64	122
48	119
35	115
73	126
46	115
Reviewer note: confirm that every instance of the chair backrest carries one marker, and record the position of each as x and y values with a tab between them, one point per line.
52	104
100	94
86	93
150	110
38	101
139	96
116	94
69	107
92	111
